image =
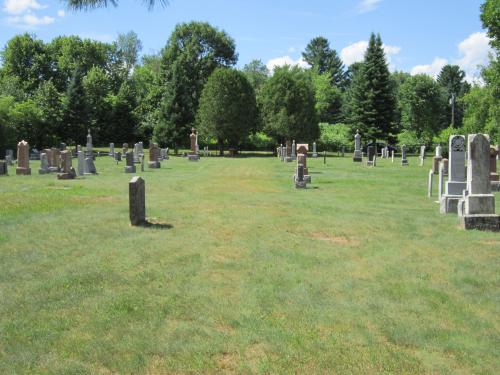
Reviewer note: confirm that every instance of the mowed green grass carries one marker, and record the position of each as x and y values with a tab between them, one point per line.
357	274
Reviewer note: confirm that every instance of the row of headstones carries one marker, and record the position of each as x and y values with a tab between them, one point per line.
290	151
468	191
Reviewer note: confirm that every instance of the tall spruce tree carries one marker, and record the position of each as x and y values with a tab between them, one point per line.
373	104
323	59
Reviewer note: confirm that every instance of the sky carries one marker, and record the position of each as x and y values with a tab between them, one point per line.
418	36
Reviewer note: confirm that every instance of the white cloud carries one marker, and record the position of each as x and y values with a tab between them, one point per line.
368	5
30	21
21	6
291	50
432	69
356	52
286	60
61	13
474	51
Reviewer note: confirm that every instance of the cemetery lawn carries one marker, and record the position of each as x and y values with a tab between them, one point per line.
241	273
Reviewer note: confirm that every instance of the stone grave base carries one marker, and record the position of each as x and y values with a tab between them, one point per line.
300	185
43	171
23	171
404	163
307	178
315	155
288	159
193	157
358	156
495	185
483	204
130	169
53	169
481	222
370	164
154	164
449	204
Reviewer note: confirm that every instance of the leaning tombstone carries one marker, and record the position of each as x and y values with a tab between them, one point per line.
436	160
81	163
3	168
23	159
154	155
477	207
129	160
358	156
404	160
137	201
44	164
67	171
456	183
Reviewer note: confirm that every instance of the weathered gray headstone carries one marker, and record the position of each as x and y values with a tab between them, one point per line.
129	160
44	164
81	163
456	183
118	156
441	180
90	166
67	171
9	157
90	147
358	156
422	155
477	207
3	168
154	156
137	201
299	181
315	151
111	149
404	160
371	154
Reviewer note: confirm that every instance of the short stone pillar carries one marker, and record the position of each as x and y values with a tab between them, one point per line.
44	164
371	155
23	158
440	181
303	149
67	171
129	162
456	175
477	207
137	201
124	148
112	149
422	155
294	150
429	183
193	155
315	151
81	163
3	168
404	160
288	151
90	147
358	156
436	160
154	156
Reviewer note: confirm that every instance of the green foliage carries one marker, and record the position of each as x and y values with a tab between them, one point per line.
288	106
422	102
490	16
328	98
92	4
452	79
482	113
193	52
372	102
256	73
444	135
410	138
334	136
323	60
228	110
128	46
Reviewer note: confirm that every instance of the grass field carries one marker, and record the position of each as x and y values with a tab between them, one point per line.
357	274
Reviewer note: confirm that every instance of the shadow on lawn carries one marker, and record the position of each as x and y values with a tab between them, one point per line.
155	224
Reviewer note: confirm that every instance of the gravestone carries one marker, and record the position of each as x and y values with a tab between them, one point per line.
477	207
9	157
495	184
154	156
358	156
44	164
90	166
456	183
137	158
303	149
445	164
90	147
129	160
294	150
3	168
370	154
440	181
137	201
142	163
23	158
315	152
404	160
35	154
422	155
429	183
62	146
436	160
193	155
81	163
300	183
288	151
118	156
67	171
111	149
124	148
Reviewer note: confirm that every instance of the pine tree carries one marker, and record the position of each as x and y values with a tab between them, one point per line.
323	60
372	107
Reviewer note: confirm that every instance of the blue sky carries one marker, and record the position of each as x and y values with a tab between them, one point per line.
419	36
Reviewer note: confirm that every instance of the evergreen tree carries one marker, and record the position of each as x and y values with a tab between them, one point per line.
372	107
323	59
75	121
452	79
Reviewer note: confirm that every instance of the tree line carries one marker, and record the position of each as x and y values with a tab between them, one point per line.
53	92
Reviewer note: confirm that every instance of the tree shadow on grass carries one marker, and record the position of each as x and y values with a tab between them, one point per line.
153	223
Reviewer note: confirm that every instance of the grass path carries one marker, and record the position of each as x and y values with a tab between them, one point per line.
358	274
